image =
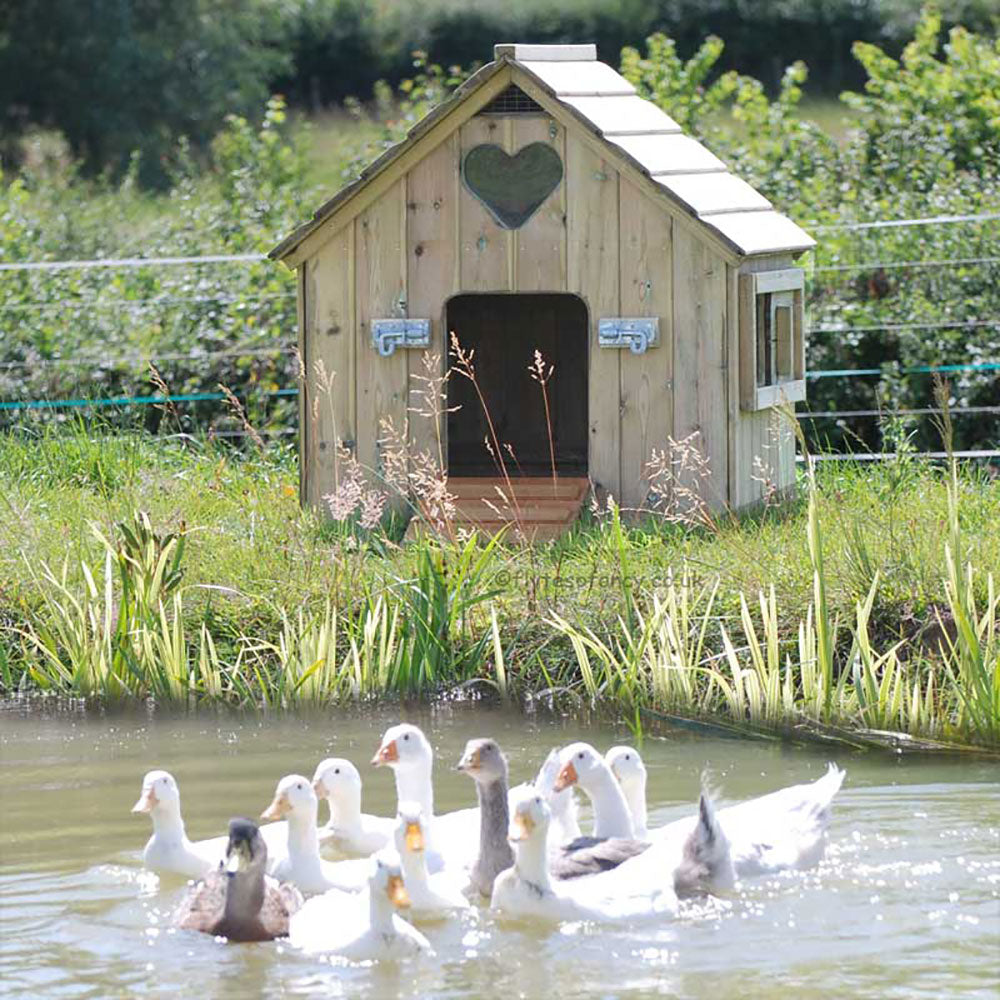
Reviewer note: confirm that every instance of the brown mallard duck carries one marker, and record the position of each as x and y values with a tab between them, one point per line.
237	900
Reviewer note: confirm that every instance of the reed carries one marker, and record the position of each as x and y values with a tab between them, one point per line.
767	622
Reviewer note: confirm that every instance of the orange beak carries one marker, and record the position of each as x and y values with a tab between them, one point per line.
397	892
320	789
414	837
146	801
388	753
278	809
566	777
470	761
521	827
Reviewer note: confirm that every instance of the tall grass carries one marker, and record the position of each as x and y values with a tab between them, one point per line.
223	590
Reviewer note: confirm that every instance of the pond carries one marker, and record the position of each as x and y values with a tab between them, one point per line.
905	904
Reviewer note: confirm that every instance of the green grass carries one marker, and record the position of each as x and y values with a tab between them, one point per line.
866	604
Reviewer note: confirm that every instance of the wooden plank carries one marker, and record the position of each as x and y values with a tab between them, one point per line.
714	192
431	278
761	232
733	371
330	357
540	258
527	488
672	153
580	79
623	115
784	280
700	406
547	53
302	338
381	284
592	273
483	264
646	379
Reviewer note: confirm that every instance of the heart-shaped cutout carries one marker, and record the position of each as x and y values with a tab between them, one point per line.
512	187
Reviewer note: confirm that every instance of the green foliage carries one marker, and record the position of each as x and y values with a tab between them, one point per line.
115	76
925	117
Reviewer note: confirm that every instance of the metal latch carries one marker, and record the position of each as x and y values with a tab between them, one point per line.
636	334
388	334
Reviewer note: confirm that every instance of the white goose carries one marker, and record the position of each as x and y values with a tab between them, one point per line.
349	832
582	765
432	897
295	800
564	825
527	890
336	923
627	766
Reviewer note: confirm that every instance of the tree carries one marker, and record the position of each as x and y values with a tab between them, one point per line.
115	76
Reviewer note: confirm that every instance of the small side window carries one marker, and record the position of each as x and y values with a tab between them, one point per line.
772	362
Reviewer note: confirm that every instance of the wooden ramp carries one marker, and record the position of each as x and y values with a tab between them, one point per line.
533	508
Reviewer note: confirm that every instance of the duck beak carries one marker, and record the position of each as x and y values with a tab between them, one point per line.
397	893
146	801
278	809
521	827
566	777
320	789
236	861
471	761
388	753
414	837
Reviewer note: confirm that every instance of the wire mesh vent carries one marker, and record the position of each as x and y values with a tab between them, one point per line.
513	101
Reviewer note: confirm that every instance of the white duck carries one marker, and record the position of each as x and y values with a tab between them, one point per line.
564	825
784	830
527	890
295	800
337	924
408	752
168	849
432	897
630	771
349	832
582	765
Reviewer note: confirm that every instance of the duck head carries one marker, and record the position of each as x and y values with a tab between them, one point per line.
627	766
246	850
336	778
294	799
387	881
580	761
483	761
403	747
411	830
159	795
530	819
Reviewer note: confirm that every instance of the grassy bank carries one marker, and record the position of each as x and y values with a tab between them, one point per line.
866	603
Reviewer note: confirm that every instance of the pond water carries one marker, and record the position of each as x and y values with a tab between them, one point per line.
905	904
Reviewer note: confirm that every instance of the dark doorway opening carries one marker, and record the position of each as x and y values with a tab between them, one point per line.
505	331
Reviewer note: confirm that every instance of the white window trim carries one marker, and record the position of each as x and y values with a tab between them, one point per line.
789	390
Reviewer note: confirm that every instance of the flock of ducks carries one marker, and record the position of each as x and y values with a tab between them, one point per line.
521	849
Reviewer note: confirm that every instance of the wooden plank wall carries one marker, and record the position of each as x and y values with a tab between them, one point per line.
592	245
597	235
646	288
700	362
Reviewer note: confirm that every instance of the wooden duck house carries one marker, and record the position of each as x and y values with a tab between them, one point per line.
545	206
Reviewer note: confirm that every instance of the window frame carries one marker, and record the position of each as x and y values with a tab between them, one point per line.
762	382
